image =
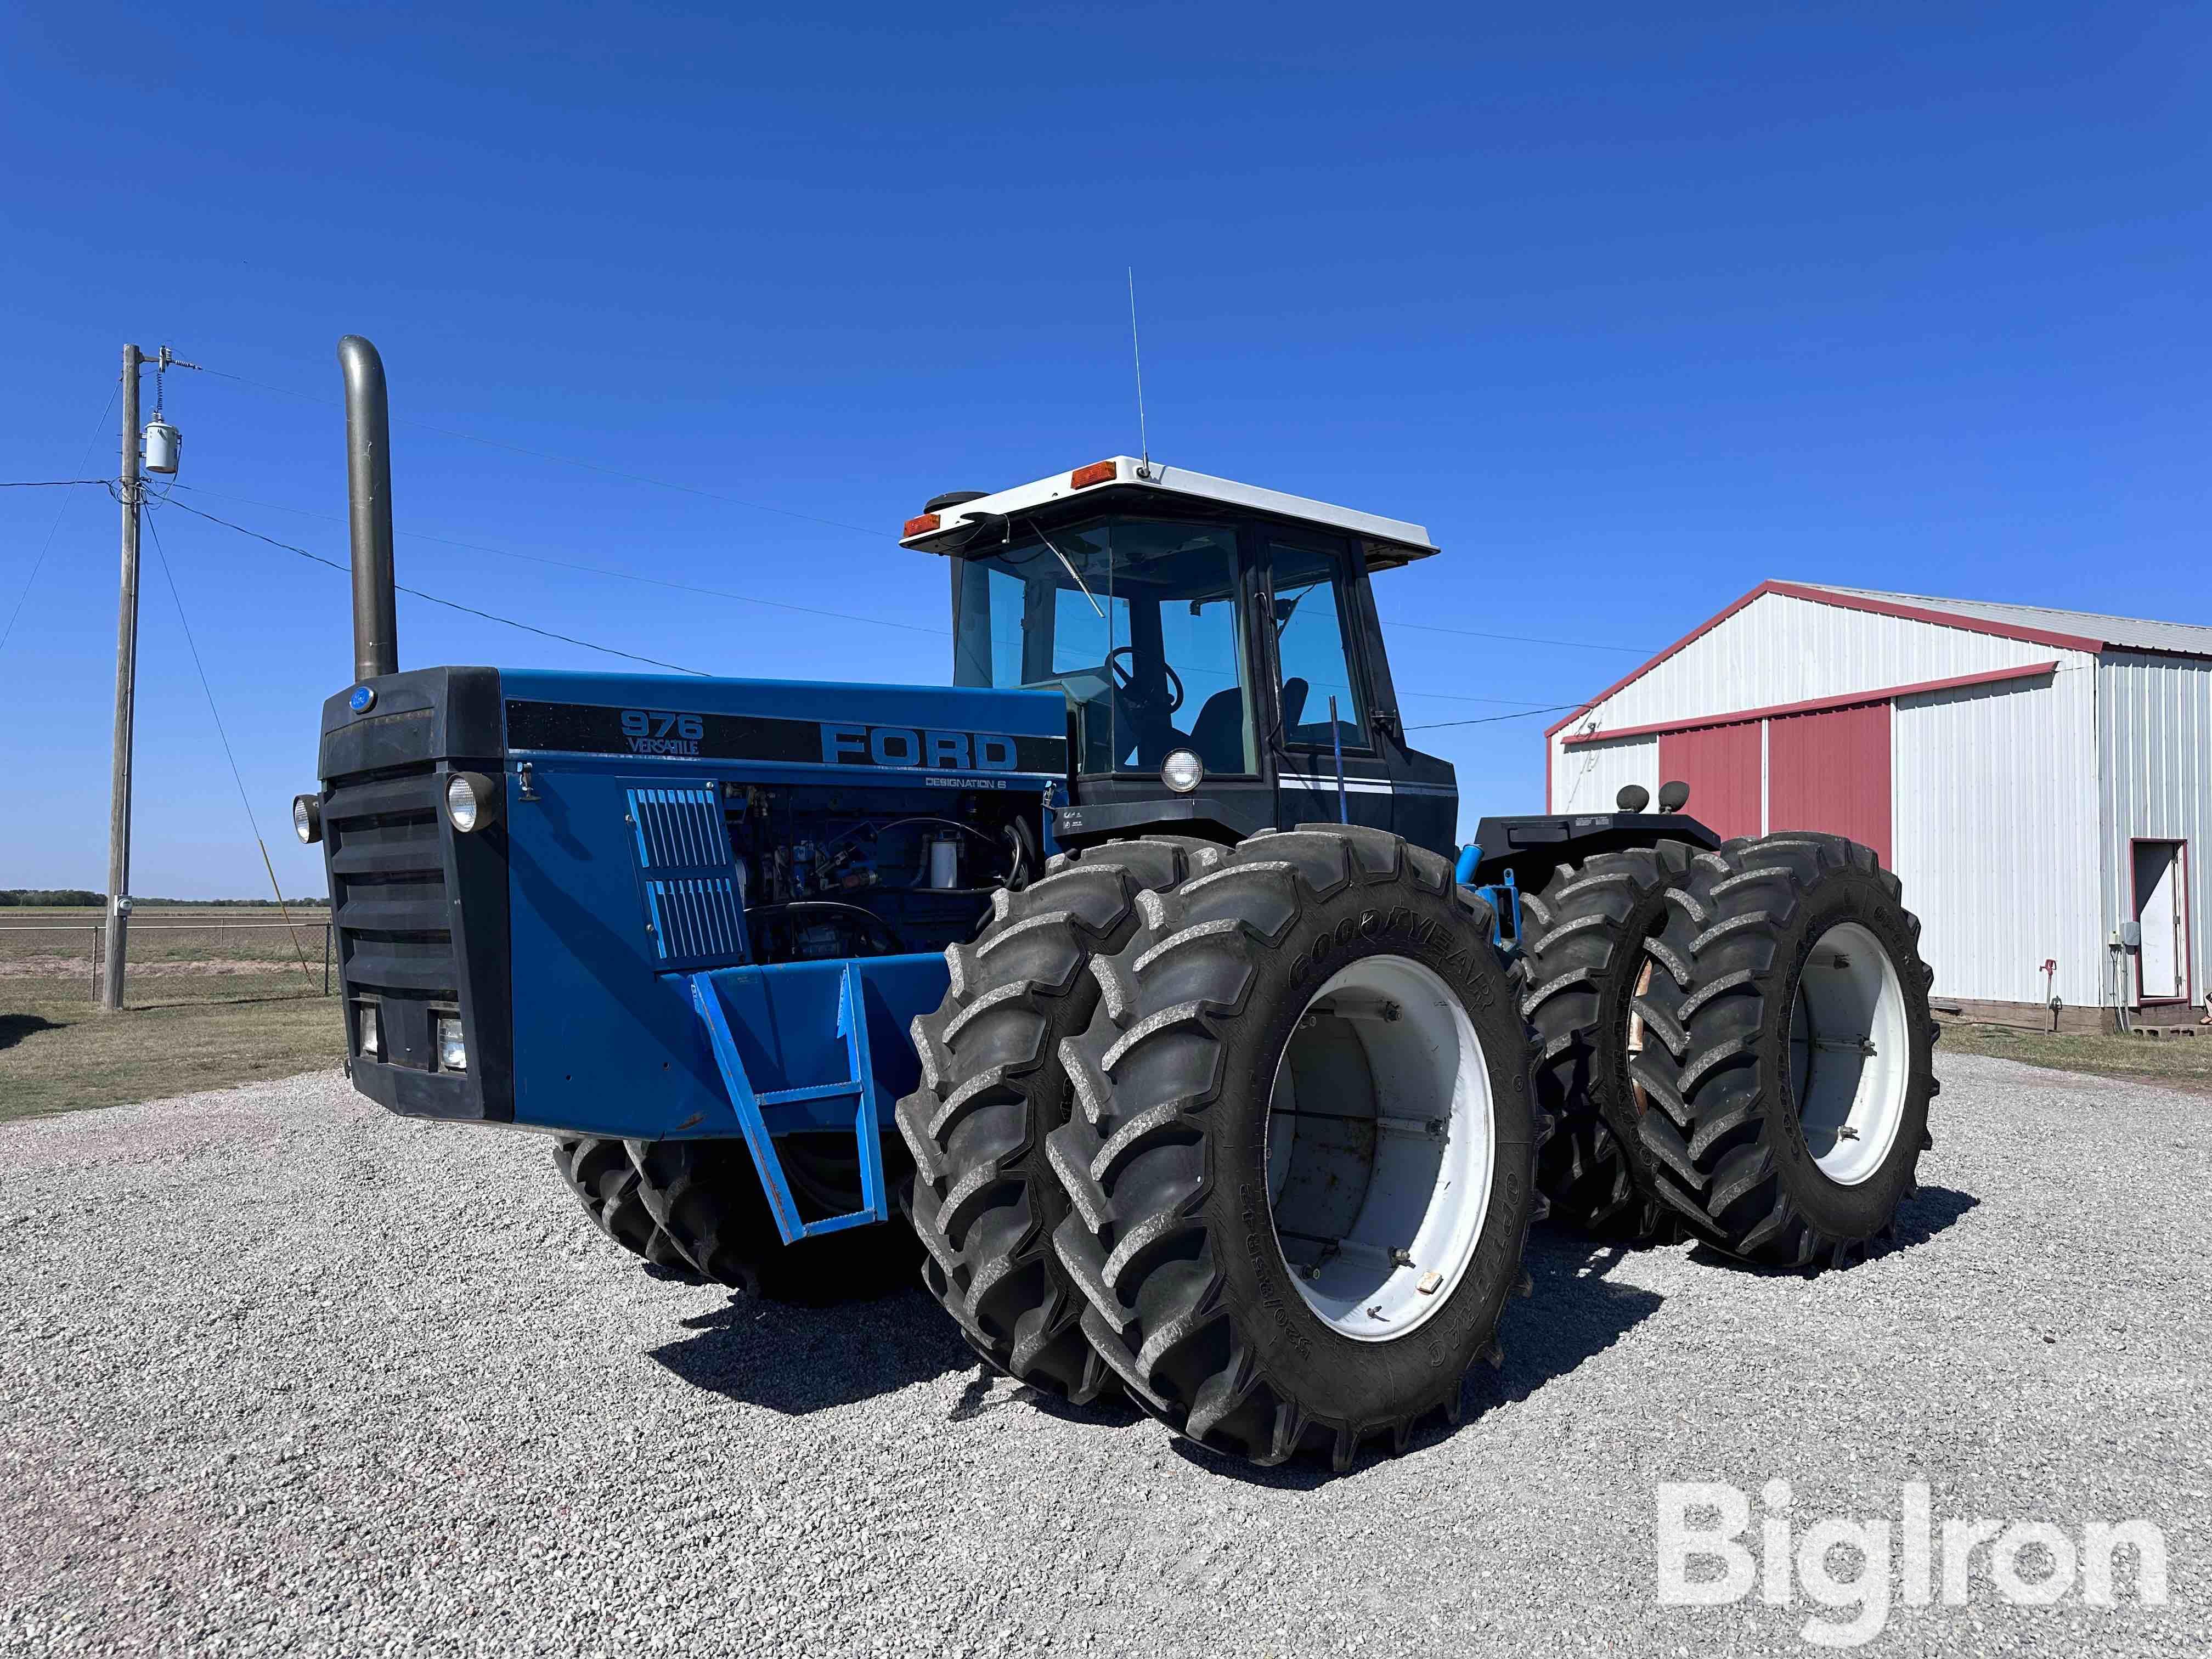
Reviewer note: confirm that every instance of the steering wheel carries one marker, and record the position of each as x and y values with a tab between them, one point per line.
1125	678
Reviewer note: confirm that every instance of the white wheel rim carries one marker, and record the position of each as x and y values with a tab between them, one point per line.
1381	1140
1851	1062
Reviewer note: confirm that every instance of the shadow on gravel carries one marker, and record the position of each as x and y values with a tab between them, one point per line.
1574	1313
1928	1213
797	1360
14	1028
1919	1218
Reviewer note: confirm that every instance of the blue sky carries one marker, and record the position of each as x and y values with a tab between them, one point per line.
1634	309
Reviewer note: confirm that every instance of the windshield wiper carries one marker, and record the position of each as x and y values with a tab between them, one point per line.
1096	609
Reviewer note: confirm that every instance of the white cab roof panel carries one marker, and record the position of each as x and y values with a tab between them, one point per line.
1394	541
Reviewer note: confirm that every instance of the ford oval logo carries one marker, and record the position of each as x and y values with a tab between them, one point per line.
362	700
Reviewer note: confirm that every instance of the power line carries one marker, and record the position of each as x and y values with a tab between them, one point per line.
451	605
1448	696
192	644
1489	719
46	546
244	799
589	569
52	484
1526	639
1461	696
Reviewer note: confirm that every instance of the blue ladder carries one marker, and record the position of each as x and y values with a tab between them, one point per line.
852	1025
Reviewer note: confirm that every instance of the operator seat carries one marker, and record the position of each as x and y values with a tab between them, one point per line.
1216	736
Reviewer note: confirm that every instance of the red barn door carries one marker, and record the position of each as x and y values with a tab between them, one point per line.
1721	765
1831	771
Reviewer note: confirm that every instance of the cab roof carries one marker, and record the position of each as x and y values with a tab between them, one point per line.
1120	482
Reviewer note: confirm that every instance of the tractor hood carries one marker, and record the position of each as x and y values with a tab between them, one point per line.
485	714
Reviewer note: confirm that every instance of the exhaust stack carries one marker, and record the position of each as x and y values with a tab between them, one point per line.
369	495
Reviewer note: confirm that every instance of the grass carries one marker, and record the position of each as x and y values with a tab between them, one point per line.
208	1003
58	1053
2174	1062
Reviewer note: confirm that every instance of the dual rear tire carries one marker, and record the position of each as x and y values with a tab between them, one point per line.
1738	1044
1301	1167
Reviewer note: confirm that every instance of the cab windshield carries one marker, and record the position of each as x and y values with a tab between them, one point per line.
1135	621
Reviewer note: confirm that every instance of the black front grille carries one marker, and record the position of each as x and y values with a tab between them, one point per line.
420	911
387	862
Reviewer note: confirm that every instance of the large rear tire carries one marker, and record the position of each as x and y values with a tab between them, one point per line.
1789	1073
599	1173
984	1202
1303	1171
1582	969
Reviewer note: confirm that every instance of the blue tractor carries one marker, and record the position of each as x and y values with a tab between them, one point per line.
1134	986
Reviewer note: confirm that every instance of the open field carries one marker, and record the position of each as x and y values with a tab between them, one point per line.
186	955
283	1373
212	999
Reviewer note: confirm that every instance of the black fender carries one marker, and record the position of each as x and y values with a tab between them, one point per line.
1532	847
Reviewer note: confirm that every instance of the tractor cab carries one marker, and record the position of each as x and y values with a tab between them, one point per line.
1216	643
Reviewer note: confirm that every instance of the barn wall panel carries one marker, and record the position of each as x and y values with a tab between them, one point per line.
1586	778
1780	649
2154	741
1994	807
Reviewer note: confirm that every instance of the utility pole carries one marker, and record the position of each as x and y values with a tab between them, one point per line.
126	691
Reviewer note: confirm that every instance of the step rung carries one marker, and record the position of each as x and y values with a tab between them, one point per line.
813	1092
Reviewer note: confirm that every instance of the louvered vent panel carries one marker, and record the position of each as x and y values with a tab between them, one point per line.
693	901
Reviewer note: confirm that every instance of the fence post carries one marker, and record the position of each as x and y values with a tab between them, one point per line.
95	964
326	958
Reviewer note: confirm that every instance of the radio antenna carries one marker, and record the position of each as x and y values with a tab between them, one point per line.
1144	447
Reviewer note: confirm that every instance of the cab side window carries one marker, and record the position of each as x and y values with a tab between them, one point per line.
1312	649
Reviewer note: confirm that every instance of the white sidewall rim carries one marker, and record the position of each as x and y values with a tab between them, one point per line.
1428	1063
1850	1120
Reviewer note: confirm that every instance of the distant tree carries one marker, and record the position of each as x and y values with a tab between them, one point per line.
65	898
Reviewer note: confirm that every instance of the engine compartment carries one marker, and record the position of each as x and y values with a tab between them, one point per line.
830	871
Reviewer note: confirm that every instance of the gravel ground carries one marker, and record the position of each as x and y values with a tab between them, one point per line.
281	1374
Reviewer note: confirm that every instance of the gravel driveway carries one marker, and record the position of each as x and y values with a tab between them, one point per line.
281	1374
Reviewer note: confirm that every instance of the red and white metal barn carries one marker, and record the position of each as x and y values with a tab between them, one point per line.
2037	778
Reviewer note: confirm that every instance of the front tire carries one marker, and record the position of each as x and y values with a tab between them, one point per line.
598	1170
1268	1278
1790	1078
706	1196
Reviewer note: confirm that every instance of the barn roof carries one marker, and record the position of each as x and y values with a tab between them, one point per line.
2128	633
2071	631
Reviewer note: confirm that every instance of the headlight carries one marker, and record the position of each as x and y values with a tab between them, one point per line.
1182	772
307	819
371	1043
471	801
453	1052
